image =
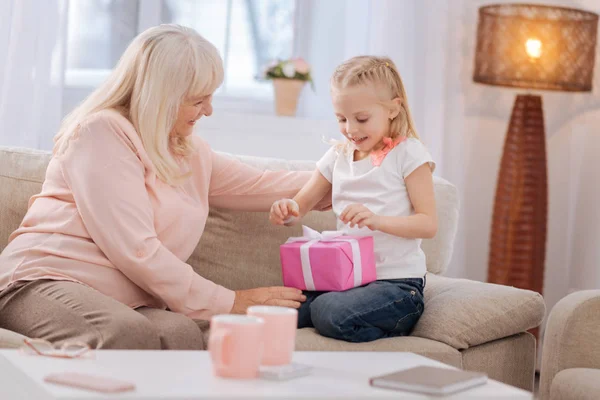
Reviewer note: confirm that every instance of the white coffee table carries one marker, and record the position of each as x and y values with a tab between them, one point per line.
188	375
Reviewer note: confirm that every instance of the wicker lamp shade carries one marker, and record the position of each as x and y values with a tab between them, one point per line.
533	47
536	47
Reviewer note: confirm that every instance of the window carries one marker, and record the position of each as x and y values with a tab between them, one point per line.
98	31
248	33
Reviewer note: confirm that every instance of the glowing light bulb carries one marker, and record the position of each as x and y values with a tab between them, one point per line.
534	48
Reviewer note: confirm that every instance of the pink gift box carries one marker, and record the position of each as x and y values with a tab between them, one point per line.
326	262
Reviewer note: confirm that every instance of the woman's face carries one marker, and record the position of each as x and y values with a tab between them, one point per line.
191	111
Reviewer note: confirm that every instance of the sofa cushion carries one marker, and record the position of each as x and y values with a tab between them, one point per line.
307	339
22	172
576	384
571	338
464	313
438	249
240	250
518	351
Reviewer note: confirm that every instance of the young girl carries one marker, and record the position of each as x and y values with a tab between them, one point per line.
381	179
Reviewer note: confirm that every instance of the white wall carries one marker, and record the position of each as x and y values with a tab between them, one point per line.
268	136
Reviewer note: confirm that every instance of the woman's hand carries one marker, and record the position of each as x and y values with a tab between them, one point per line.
267	296
284	211
357	214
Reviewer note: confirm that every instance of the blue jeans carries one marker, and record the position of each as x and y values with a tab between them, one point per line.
380	309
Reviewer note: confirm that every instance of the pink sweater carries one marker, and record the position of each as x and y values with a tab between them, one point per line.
104	219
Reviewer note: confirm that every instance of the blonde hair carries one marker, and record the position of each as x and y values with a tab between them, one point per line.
162	67
380	72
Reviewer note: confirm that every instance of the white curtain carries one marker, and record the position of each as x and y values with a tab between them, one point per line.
32	44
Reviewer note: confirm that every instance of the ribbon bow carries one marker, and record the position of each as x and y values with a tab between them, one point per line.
311	234
377	156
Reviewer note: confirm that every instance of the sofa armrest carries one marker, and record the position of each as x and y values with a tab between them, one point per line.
464	313
572	337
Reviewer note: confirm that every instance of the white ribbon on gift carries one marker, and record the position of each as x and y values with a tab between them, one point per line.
310	236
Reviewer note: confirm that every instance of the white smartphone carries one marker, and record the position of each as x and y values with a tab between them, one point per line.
90	382
284	372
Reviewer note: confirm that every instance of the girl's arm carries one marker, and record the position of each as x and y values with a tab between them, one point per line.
307	198
311	193
421	225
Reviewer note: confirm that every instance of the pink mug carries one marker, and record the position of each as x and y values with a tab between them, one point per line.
235	344
280	333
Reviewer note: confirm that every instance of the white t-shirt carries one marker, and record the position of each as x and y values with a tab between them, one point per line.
383	191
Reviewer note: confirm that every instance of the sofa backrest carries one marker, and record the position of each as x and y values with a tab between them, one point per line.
22	173
238	249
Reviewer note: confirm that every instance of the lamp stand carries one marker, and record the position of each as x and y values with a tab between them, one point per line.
518	235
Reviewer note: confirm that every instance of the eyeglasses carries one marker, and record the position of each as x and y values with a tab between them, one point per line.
43	347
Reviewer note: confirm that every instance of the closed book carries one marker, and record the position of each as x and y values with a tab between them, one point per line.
430	380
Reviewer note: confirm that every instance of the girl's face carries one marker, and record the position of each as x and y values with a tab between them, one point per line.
362	117
191	111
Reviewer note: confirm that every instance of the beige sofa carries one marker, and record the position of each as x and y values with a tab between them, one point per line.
467	324
571	355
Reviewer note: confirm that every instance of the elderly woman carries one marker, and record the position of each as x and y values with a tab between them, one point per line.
100	255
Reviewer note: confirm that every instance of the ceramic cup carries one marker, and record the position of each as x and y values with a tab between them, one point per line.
279	334
236	345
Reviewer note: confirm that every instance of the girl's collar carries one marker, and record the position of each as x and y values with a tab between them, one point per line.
377	156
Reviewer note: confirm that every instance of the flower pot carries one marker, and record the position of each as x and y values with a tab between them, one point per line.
287	92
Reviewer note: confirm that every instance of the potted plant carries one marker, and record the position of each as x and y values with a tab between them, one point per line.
289	77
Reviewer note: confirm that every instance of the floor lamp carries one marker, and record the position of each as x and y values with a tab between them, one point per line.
530	47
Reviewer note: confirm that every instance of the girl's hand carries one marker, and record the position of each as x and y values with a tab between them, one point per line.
284	211
357	214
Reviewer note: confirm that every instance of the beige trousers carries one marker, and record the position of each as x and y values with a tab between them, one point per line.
60	311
